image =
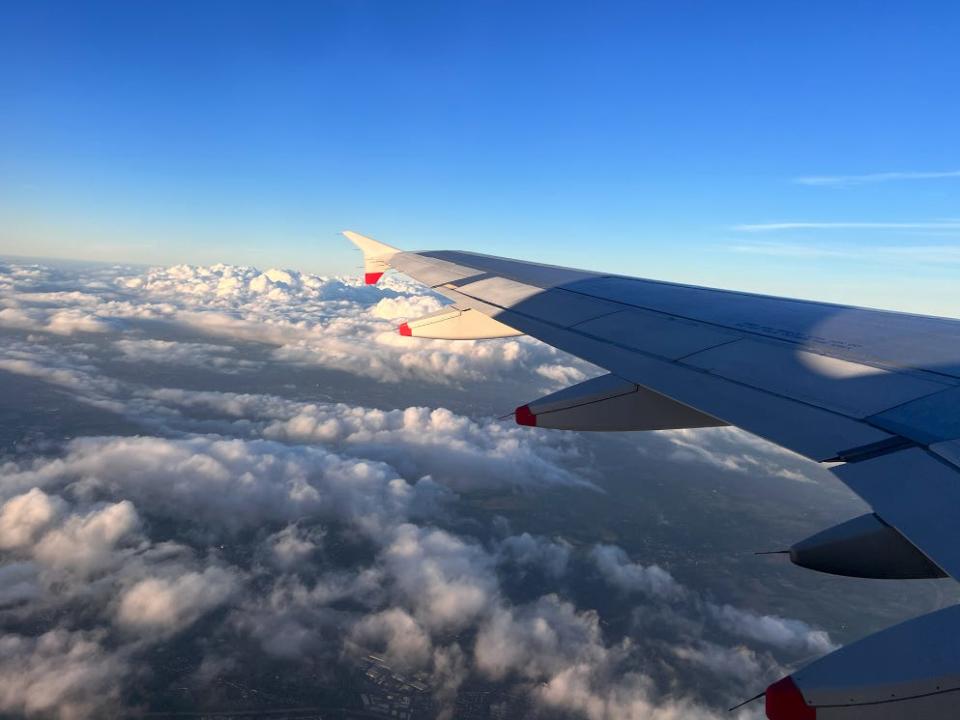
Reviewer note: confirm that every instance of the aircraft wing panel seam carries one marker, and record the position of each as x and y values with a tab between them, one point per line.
811	346
815	349
628	369
685	366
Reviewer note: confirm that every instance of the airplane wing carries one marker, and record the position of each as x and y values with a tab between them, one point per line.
874	393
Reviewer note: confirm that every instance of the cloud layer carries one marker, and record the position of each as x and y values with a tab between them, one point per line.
187	508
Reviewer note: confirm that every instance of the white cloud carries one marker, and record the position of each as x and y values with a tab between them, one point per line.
525	550
164	605
738	662
630	577
584	690
230	483
539	640
873	253
61	674
447	581
871	178
397	635
405	307
313	321
24	517
780	632
562	375
293	545
779	226
204	355
57	321
562	650
85	543
456	450
735	450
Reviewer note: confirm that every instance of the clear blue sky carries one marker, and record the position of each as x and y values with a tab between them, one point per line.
638	137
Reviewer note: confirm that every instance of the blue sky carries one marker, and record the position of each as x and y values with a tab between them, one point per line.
798	148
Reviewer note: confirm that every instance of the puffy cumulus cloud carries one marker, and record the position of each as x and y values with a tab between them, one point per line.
447	580
229	483
735	450
397	635
94	553
563	652
85	543
527	551
630	577
206	355
56	321
738	662
330	322
165	605
405	307
562	375
465	453
538	641
587	691
60	536
60	674
24	517
312	320
379	352
785	633
293	545
459	452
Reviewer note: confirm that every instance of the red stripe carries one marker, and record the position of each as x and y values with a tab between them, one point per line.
523	416
785	702
371	278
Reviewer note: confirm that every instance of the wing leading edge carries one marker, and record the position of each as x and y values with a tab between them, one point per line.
877	392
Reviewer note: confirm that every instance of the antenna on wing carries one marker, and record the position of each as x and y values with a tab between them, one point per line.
747	702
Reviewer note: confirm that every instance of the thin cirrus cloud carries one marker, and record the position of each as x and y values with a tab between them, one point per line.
936	254
871	178
781	226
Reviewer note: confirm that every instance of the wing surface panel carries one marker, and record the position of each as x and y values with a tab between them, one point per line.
662	335
898	340
930	419
813	432
849	388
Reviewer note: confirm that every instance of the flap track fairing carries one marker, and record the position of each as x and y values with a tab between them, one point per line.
610	403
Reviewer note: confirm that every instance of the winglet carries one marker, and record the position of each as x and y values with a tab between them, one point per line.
376	255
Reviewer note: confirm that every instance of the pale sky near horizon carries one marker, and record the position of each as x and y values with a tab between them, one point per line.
796	148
